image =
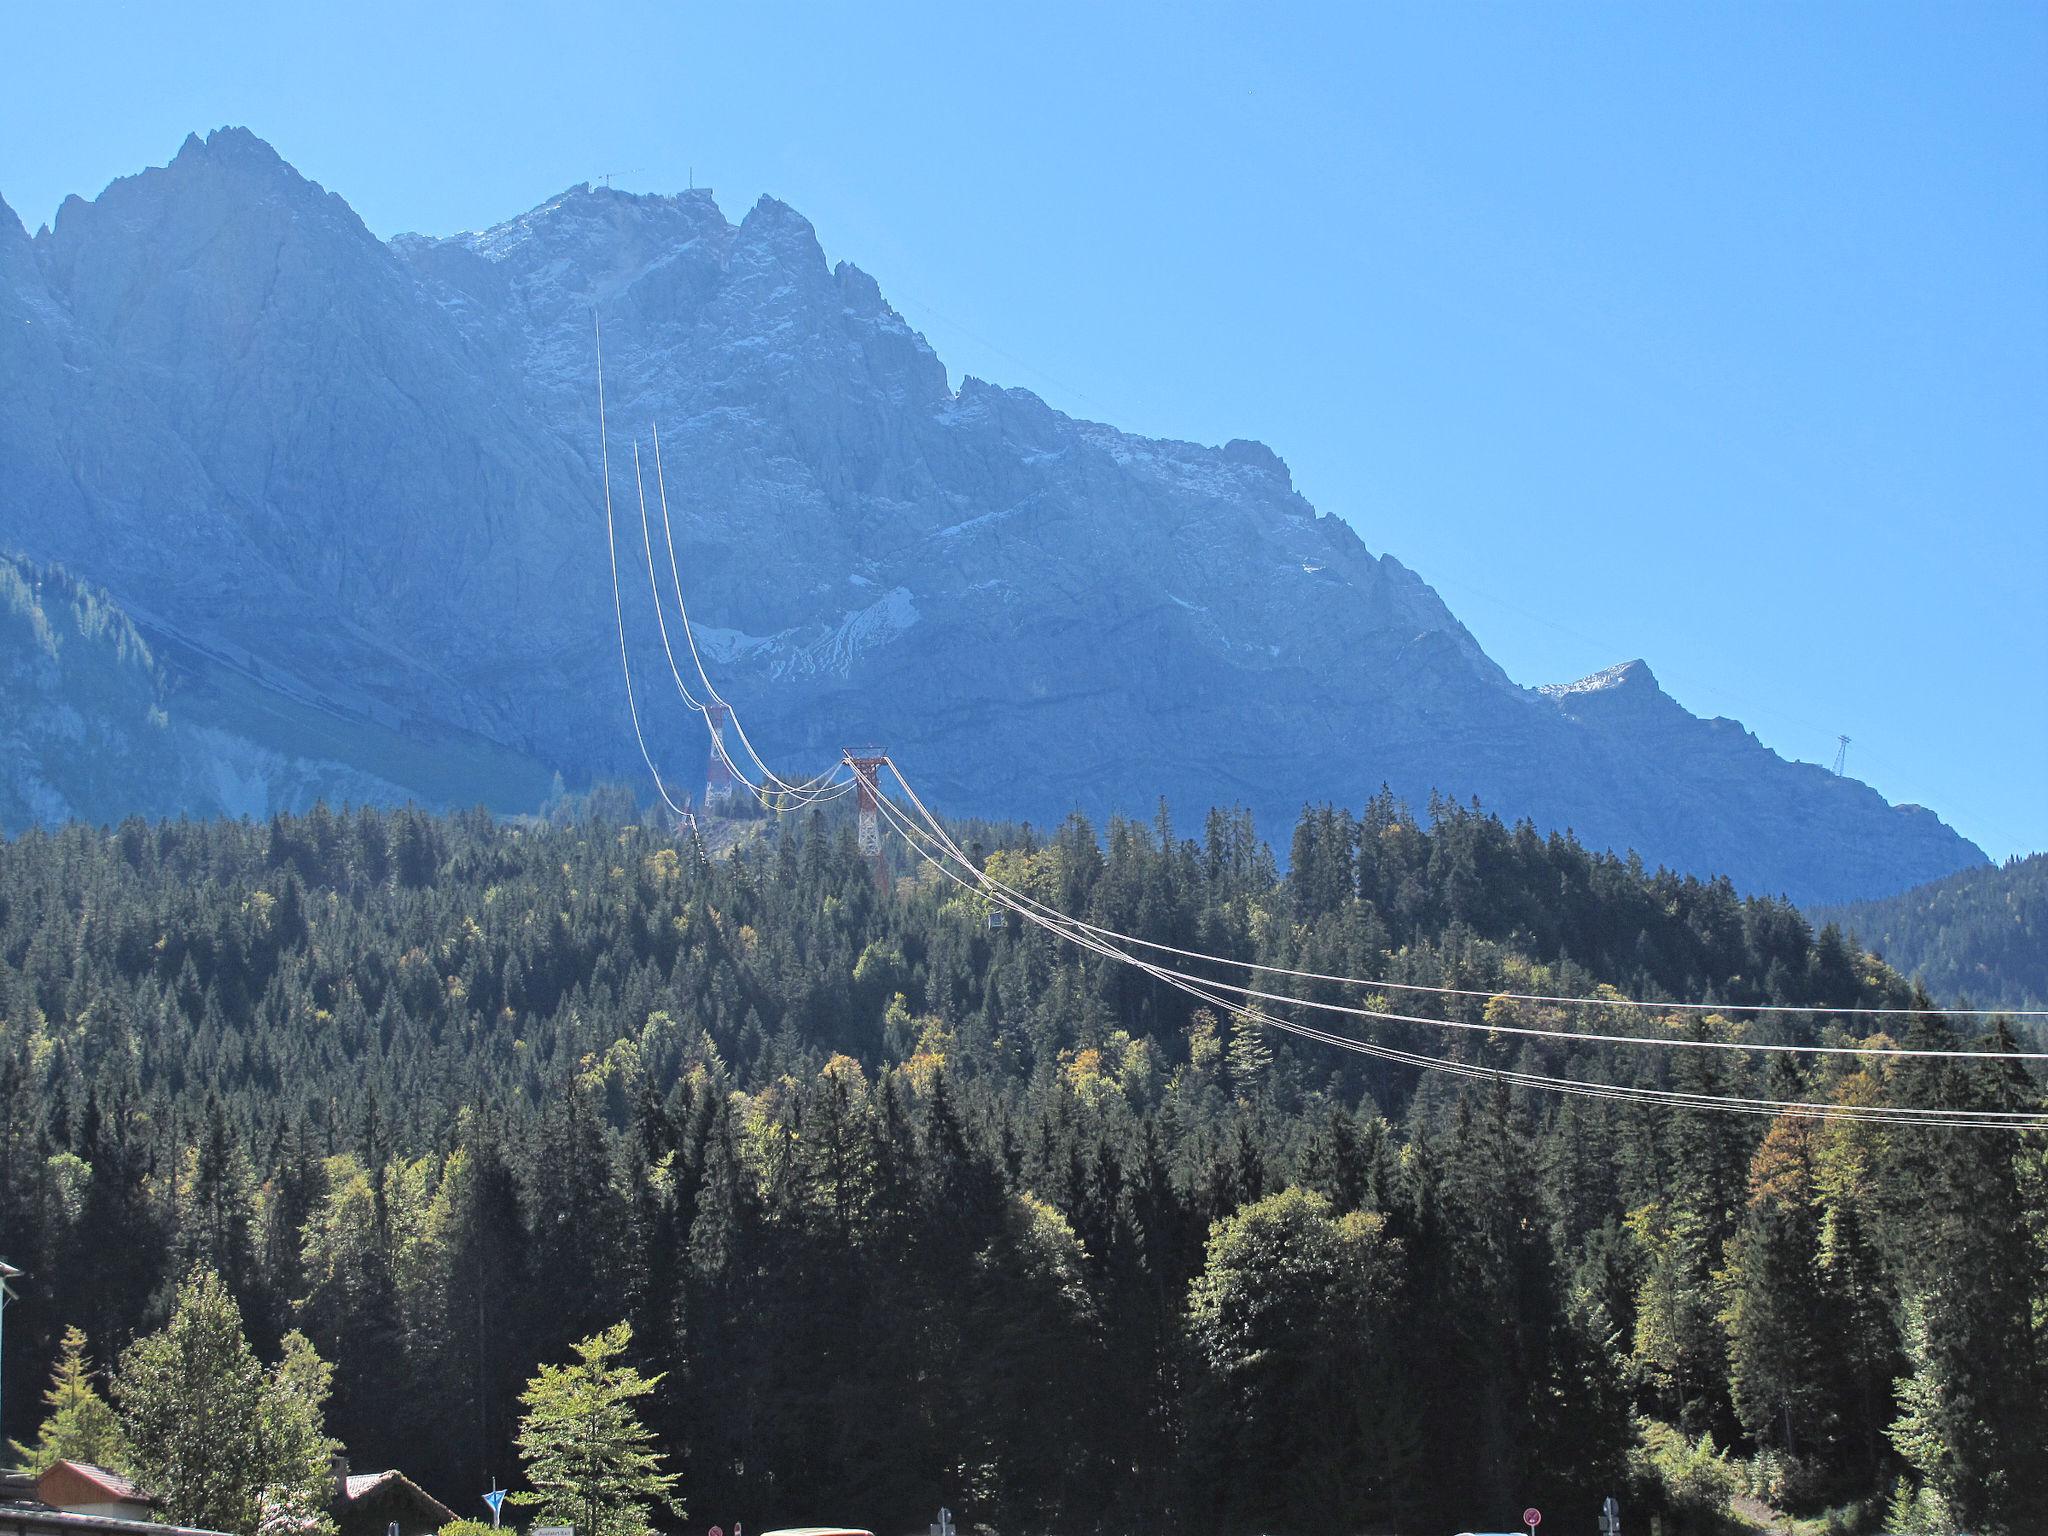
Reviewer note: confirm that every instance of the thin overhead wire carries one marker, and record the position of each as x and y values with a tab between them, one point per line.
1200	989
824	791
1020	901
820	790
1950	1119
654	591
1172	976
1589	1037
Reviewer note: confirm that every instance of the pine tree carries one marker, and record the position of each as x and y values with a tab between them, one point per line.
1972	1423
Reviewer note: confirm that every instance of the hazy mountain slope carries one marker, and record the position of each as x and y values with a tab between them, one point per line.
1980	933
92	725
369	474
81	720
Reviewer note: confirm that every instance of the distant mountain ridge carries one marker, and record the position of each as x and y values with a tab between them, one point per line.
369	472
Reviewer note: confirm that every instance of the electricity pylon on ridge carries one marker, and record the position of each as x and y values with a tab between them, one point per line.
1841	754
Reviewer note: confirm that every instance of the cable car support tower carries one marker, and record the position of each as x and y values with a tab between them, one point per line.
718	771
866	762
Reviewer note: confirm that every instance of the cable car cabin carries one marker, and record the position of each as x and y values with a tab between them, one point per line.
996	919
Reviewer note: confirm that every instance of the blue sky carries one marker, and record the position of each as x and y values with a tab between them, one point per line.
1716	335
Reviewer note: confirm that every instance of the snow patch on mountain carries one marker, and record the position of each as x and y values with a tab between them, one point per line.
1620	675
814	650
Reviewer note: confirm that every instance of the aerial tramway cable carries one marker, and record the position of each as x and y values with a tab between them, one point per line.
812	797
1019	901
1195	987
809	791
1539	997
682	688
1200	988
612	548
653	590
1107	942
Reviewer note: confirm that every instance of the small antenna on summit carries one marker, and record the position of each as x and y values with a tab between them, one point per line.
1841	754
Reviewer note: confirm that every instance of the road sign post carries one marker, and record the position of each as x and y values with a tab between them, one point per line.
496	1499
1532	1517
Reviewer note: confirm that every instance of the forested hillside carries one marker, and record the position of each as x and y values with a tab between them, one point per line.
1980	934
913	1210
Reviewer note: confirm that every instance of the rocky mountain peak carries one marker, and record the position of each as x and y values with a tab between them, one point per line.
1244	450
236	147
772	222
1627	691
585	218
230	172
863	295
368	475
220	218
17	257
1631	676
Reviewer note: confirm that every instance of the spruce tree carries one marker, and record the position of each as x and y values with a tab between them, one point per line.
79	1426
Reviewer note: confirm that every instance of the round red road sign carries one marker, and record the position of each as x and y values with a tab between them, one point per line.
1531	1517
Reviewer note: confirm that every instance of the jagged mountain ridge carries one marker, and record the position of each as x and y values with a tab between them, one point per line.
373	468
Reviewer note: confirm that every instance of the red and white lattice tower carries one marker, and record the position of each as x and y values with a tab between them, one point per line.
865	762
718	775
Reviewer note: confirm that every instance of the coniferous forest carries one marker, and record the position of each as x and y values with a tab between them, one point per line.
1980	934
910	1210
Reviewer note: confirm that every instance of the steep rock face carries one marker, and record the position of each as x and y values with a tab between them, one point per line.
970	573
298	456
375	471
